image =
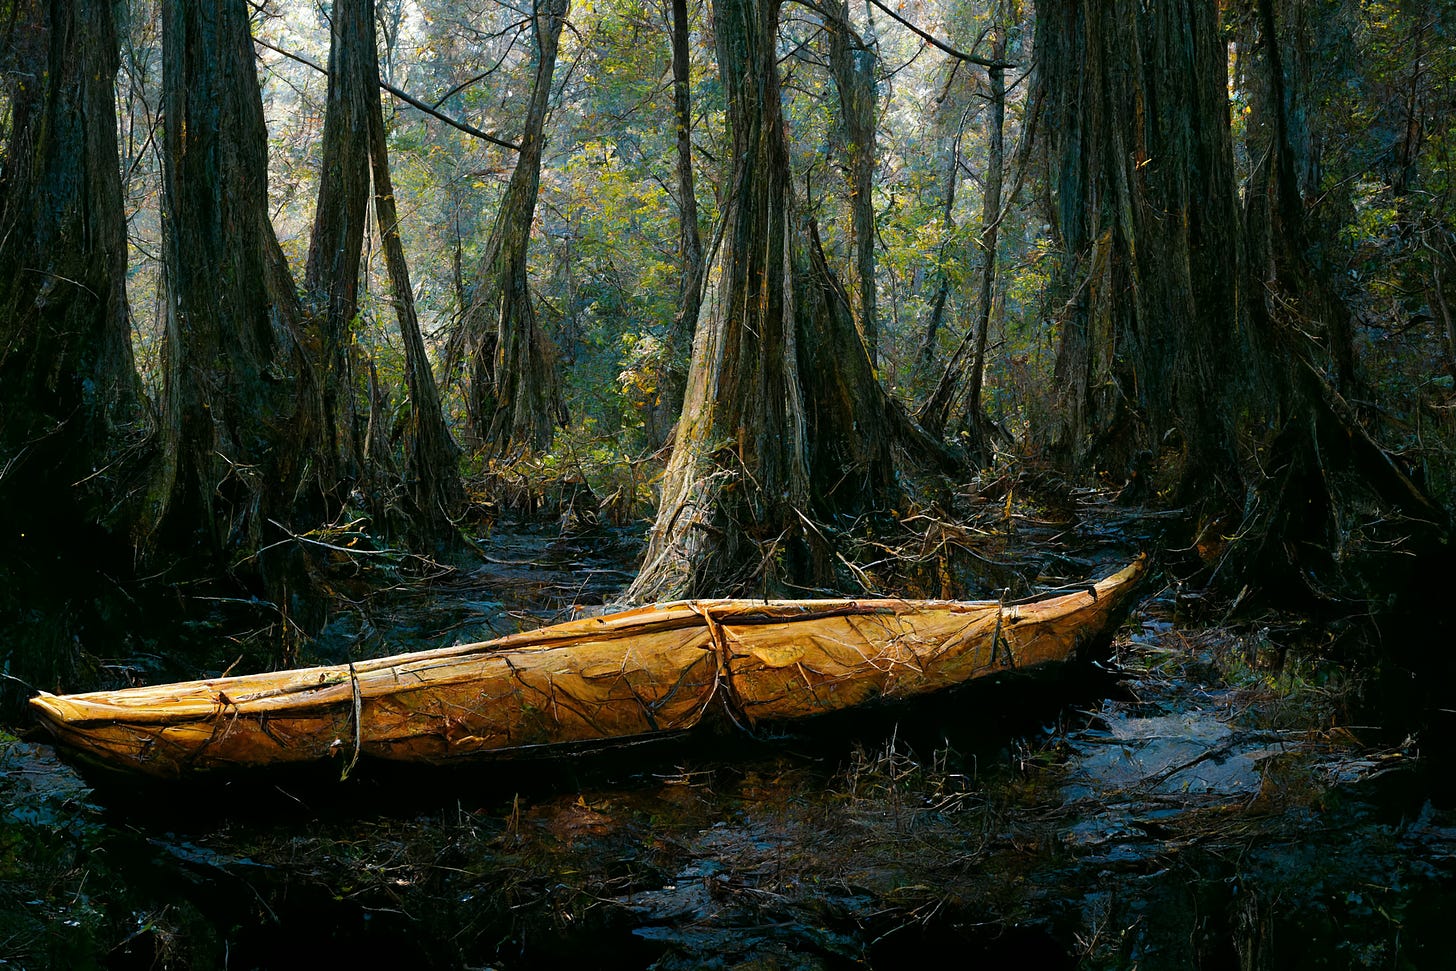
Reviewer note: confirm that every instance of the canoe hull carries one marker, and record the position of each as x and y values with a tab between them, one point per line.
654	670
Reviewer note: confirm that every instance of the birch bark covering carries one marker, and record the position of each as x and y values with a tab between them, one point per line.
648	671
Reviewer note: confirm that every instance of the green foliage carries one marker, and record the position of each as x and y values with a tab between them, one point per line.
1376	136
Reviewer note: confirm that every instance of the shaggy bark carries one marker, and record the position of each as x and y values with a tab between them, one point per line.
69	395
1184	308
1333	519
1312	292
1329	477
852	65
241	421
431	459
512	392
783	419
337	244
74	436
1140	147
690	240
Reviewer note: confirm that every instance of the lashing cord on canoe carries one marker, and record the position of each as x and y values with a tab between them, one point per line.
220	728
358	713
722	680
996	639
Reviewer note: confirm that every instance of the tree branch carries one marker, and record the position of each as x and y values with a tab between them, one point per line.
401	95
941	45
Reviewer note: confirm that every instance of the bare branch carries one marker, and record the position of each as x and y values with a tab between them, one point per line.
941	45
518	27
401	95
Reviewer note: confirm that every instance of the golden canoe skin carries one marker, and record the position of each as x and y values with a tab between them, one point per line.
649	670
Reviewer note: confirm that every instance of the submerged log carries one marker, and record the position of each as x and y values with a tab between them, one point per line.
649	671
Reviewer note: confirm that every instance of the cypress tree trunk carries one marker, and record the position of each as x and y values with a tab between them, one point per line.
990	233
852	65
1191	305
73	430
241	422
512	392
1139	142
69	395
1277	177
690	241
1327	465
355	148
783	419
926	355
331	277
1337	522
431	466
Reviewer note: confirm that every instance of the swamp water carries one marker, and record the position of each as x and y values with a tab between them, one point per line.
1183	805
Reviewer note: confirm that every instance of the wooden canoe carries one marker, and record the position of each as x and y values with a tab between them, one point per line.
654	669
